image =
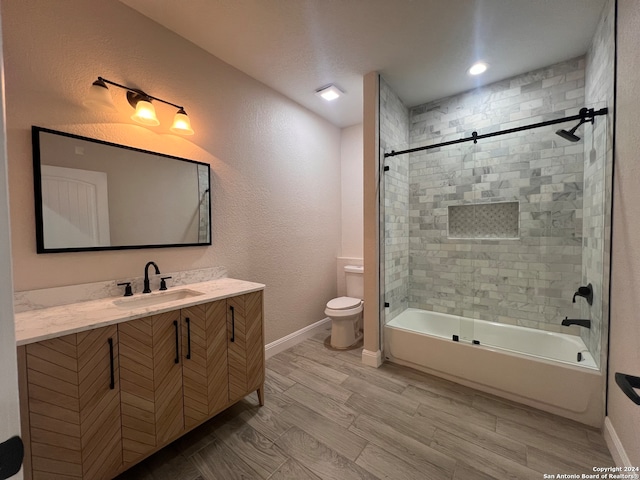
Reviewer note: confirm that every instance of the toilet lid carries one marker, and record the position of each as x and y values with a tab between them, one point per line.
343	303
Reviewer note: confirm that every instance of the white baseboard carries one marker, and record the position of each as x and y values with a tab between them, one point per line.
294	338
372	359
615	445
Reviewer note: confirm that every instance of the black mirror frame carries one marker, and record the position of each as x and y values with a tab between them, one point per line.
37	186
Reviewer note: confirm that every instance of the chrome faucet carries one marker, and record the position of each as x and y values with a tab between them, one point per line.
572	321
146	276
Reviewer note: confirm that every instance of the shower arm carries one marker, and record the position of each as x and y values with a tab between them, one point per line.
583	116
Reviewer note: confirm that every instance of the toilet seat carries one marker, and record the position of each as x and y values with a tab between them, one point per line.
343	303
343	307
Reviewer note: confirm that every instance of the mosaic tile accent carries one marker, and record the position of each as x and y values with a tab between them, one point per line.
489	220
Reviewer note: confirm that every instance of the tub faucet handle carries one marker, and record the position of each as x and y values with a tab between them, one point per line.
586	293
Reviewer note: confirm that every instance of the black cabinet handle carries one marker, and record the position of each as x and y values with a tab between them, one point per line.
177	359
112	385
627	383
188	338
233	324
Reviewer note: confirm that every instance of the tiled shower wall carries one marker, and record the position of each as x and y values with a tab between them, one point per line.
529	280
598	165
394	133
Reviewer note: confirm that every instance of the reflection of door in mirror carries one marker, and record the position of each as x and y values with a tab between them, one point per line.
75	208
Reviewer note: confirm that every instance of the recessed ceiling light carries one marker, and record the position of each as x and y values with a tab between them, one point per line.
478	68
329	93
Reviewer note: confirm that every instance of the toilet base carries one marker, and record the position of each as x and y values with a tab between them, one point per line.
358	338
345	331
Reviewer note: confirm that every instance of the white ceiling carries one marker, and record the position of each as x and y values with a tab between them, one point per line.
422	48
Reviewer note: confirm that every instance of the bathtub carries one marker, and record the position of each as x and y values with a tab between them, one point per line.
534	367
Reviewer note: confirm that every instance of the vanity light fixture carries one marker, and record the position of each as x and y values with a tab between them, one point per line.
145	113
329	92
478	68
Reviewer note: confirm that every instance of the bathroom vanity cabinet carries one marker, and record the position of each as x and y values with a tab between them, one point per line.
72	413
95	403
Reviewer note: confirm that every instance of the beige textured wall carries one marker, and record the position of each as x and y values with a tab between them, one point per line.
352	222
275	165
624	346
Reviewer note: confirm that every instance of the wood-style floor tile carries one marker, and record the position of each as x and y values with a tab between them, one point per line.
545	462
277	382
551	424
216	461
540	439
433	402
340	413
292	470
375	376
383	464
331	434
481	459
328	416
370	390
507	446
319	370
319	458
465	472
265	420
256	450
320	385
430	383
413	452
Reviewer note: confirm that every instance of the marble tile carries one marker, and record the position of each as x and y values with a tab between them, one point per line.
52	297
42	324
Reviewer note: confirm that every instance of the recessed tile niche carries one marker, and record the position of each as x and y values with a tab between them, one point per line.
484	220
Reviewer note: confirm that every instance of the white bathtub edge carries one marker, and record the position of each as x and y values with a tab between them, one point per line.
615	445
294	338
372	359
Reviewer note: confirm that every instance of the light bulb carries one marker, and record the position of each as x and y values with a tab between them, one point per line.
181	123
99	96
145	114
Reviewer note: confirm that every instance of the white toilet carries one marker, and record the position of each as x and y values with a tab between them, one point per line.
346	312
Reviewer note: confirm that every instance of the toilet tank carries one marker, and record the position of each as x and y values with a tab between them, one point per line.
355	281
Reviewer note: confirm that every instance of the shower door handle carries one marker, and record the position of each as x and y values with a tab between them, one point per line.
627	383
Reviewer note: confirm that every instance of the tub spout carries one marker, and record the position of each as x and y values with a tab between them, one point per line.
572	321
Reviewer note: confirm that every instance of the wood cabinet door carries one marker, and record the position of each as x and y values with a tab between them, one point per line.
151	383
73	392
204	368
245	344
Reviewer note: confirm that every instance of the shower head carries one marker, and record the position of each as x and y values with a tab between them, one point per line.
571	134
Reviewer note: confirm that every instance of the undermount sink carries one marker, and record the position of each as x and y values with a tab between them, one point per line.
158	298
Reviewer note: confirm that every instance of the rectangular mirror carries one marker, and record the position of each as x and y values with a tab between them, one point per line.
95	195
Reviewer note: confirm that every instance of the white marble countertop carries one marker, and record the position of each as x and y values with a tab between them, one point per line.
42	324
